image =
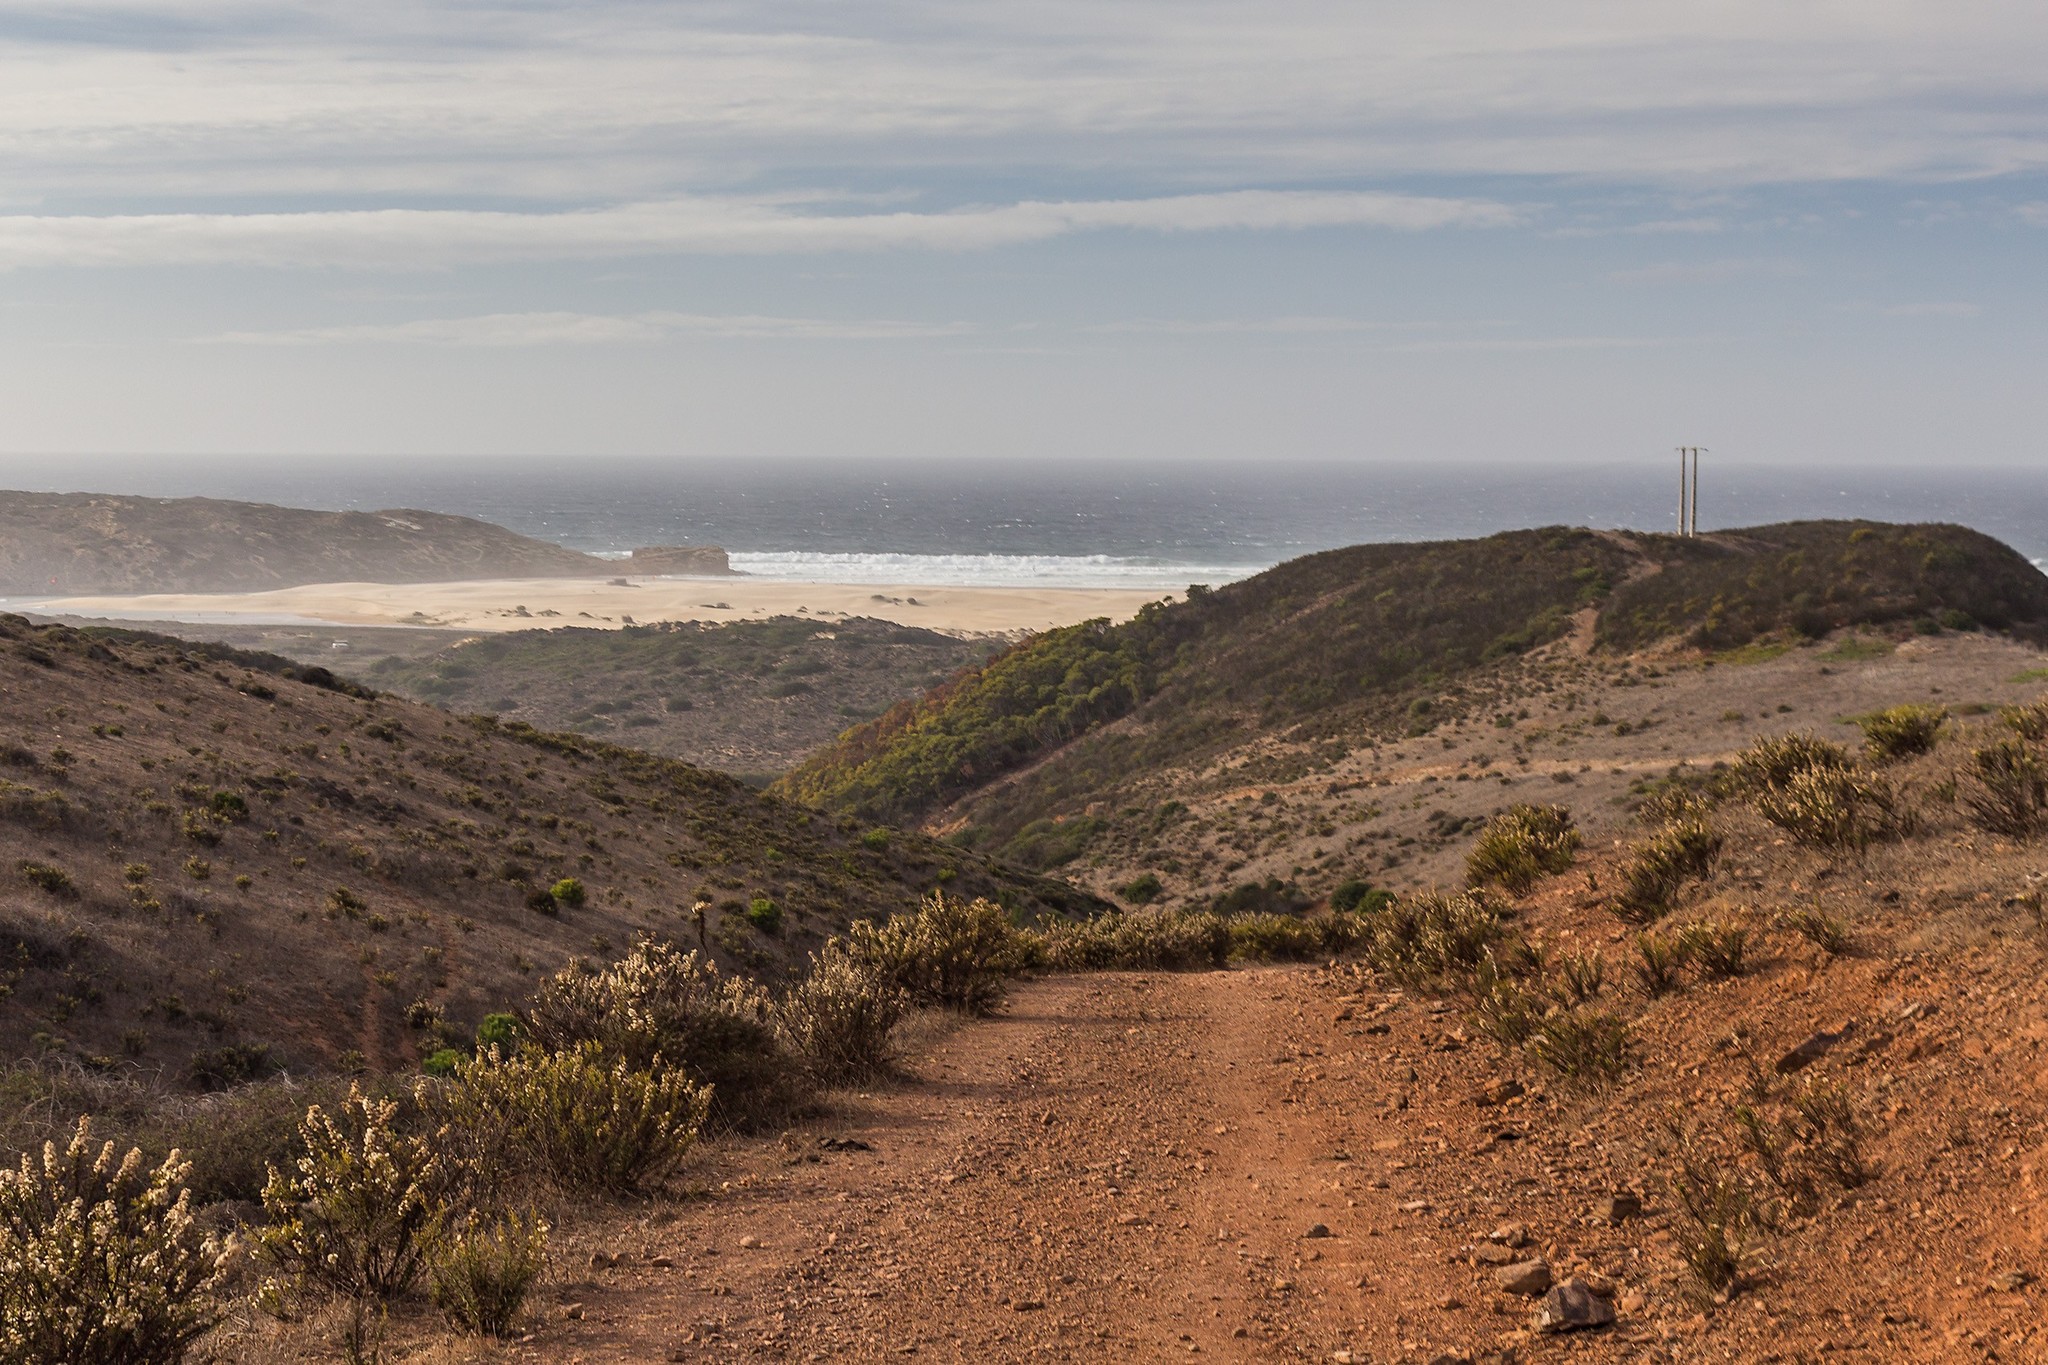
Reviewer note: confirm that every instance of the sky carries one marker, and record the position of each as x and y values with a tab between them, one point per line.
999	230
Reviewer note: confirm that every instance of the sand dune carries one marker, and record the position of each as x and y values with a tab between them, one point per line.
526	603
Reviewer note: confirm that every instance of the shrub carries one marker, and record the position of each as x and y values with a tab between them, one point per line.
2007	789
1432	938
838	1018
1138	939
1835	808
1717	1219
658	1004
350	1221
100	1261
569	892
1902	731
2029	722
442	1061
1582	976
948	951
1774	762
55	880
765	915
1522	844
1660	958
1279	938
1819	928
876	840
1503	1008
501	1031
1720	949
1357	895
588	1118
479	1271
1661	866
1582	1047
1142	889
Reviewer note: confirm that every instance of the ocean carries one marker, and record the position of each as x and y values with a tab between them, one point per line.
1057	522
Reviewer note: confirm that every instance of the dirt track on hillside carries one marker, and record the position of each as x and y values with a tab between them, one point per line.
1117	1168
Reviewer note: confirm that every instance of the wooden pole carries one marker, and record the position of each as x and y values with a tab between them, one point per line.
1695	492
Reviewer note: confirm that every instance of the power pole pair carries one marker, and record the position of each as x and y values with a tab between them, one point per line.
1689	496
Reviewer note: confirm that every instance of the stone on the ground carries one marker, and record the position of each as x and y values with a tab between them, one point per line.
1570	1307
1621	1208
1527	1278
1317	1230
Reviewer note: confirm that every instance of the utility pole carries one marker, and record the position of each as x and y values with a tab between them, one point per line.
1689	490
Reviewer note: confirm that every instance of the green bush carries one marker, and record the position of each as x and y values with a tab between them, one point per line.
502	1031
876	840
100	1261
586	1117
1138	940
1288	938
1521	845
569	892
1902	731
479	1271
1142	889
1719	949
1836	808
839	1017
1358	895
55	880
442	1061
1582	1047
1774	762
2029	722
1433	939
951	952
660	1005
1660	958
2006	791
350	1219
765	915
1658	869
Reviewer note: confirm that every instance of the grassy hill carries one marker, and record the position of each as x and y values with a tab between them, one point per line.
58	543
1349	648
219	862
749	697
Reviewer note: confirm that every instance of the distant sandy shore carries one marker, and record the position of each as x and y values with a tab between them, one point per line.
531	603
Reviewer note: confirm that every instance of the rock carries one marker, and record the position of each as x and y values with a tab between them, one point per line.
1510	1235
844	1144
679	559
1571	1307
1492	1253
1620	1209
1632	1302
1027	1305
661	1262
602	1260
1414	1206
1450	1358
1500	1092
1317	1230
573	1312
1527	1278
750	1241
2011	1282
1810	1051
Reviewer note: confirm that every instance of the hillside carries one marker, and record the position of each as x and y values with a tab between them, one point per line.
1106	734
58	543
220	863
749	697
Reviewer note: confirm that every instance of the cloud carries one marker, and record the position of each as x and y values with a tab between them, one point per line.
415	238
1707	272
586	329
1302	326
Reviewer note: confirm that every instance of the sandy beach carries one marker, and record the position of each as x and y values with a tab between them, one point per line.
532	603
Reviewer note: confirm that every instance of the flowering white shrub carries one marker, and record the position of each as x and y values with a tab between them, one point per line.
351	1220
100	1260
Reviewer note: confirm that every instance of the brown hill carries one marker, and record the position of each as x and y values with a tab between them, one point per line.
56	543
220	862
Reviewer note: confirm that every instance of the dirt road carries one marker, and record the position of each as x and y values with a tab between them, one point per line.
1125	1167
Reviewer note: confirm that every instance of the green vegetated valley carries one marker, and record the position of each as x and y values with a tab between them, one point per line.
1087	745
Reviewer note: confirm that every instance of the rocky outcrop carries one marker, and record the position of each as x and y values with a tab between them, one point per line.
688	560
